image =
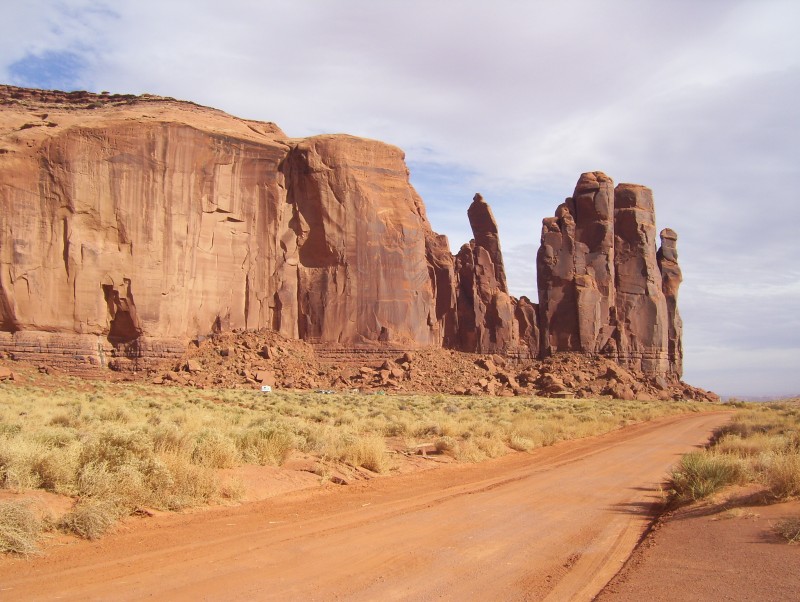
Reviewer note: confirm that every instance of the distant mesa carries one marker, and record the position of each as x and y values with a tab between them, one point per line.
132	225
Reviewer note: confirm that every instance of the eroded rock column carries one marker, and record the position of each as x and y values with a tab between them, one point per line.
641	309
575	269
485	311
671	278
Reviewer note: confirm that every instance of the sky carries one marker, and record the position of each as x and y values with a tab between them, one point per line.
700	101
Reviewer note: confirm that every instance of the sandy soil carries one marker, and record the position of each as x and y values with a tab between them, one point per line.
556	524
721	550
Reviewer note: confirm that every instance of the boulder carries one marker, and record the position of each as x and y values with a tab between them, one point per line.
265	377
192	366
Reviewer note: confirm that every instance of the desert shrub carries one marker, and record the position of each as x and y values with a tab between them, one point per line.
492	446
20	528
367	451
789	529
445	444
18	457
469	451
8	429
56	468
189	484
90	519
749	446
265	445
170	439
51	436
519	442
66	420
116	446
700	474
781	475
124	486
114	414
215	450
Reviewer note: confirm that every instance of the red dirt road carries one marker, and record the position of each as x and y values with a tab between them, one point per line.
555	524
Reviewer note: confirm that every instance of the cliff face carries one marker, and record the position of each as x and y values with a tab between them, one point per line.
131	225
357	233
147	220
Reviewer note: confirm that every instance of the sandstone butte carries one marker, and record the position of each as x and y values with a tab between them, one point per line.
131	225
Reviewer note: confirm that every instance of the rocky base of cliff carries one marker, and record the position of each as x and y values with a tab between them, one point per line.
253	359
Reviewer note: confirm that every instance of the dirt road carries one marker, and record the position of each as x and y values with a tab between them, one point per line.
555	524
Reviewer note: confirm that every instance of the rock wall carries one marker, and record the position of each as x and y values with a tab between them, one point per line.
358	236
132	225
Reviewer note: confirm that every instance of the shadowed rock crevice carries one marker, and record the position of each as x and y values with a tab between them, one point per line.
124	323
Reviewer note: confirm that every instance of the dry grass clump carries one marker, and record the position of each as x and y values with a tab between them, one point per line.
789	529
90	519
265	446
781	475
700	474
20	528
367	451
215	450
760	445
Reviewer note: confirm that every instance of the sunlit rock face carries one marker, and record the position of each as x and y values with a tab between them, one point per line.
149	219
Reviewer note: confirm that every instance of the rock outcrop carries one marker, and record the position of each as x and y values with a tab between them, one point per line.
641	309
131	226
601	289
356	237
485	313
575	269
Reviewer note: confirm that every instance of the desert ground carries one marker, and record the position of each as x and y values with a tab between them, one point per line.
557	523
308	496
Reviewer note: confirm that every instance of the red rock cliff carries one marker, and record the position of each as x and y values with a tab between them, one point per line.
130	225
145	220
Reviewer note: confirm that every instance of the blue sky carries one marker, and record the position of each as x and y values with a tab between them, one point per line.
697	100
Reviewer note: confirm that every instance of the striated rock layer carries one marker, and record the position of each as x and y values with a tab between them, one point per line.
132	225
